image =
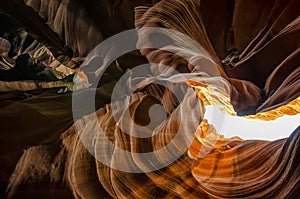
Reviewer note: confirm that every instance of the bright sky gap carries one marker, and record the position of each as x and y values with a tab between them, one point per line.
249	129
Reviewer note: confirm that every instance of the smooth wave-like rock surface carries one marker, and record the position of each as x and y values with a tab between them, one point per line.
249	55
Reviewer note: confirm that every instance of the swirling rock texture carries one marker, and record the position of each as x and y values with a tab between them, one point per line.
254	46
